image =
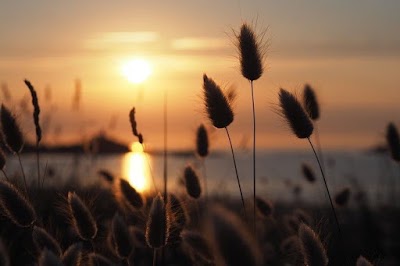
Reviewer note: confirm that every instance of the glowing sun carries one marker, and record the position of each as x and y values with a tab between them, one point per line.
136	70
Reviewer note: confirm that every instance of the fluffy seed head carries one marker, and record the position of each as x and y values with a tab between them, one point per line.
36	110
393	141
135	132
178	210
192	182
342	197
230	239
295	115
264	207
217	105
310	102
133	197
73	255
121	236
42	240
202	141
250	54
11	132
82	219
308	173
15	206
158	224
311	247
106	175
361	261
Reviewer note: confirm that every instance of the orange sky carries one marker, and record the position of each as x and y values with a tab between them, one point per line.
349	53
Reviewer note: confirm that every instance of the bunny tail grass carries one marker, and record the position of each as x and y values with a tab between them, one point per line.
82	219
135	132
158	224
393	141
12	135
311	247
192	182
36	112
310	102
295	115
342	197
130	194
217	105
231	240
73	255
15	205
264	207
202	141
122	240
250	53
308	173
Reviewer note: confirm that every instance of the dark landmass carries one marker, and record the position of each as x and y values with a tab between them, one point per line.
101	144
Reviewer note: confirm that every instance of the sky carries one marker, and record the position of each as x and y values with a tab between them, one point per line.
349	51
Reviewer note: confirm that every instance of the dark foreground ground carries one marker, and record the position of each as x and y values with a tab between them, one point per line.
373	234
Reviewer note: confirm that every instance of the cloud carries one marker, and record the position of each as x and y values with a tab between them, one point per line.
109	39
199	44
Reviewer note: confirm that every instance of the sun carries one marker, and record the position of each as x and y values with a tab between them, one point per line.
136	70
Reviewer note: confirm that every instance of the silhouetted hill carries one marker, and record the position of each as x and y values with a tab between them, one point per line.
100	144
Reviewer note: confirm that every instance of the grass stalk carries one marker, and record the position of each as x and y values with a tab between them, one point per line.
326	186
37	162
23	174
254	158
165	172
154	257
236	171
319	147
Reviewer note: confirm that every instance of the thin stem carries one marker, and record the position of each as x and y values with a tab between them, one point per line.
37	161
254	158
44	173
165	166
165	147
236	171
326	186
151	171
154	257
5	175
319	147
395	186
23	173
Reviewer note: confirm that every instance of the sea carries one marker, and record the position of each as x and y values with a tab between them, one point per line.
278	173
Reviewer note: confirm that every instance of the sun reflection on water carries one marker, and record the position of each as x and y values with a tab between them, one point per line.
135	168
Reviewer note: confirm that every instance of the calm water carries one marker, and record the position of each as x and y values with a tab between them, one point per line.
278	173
